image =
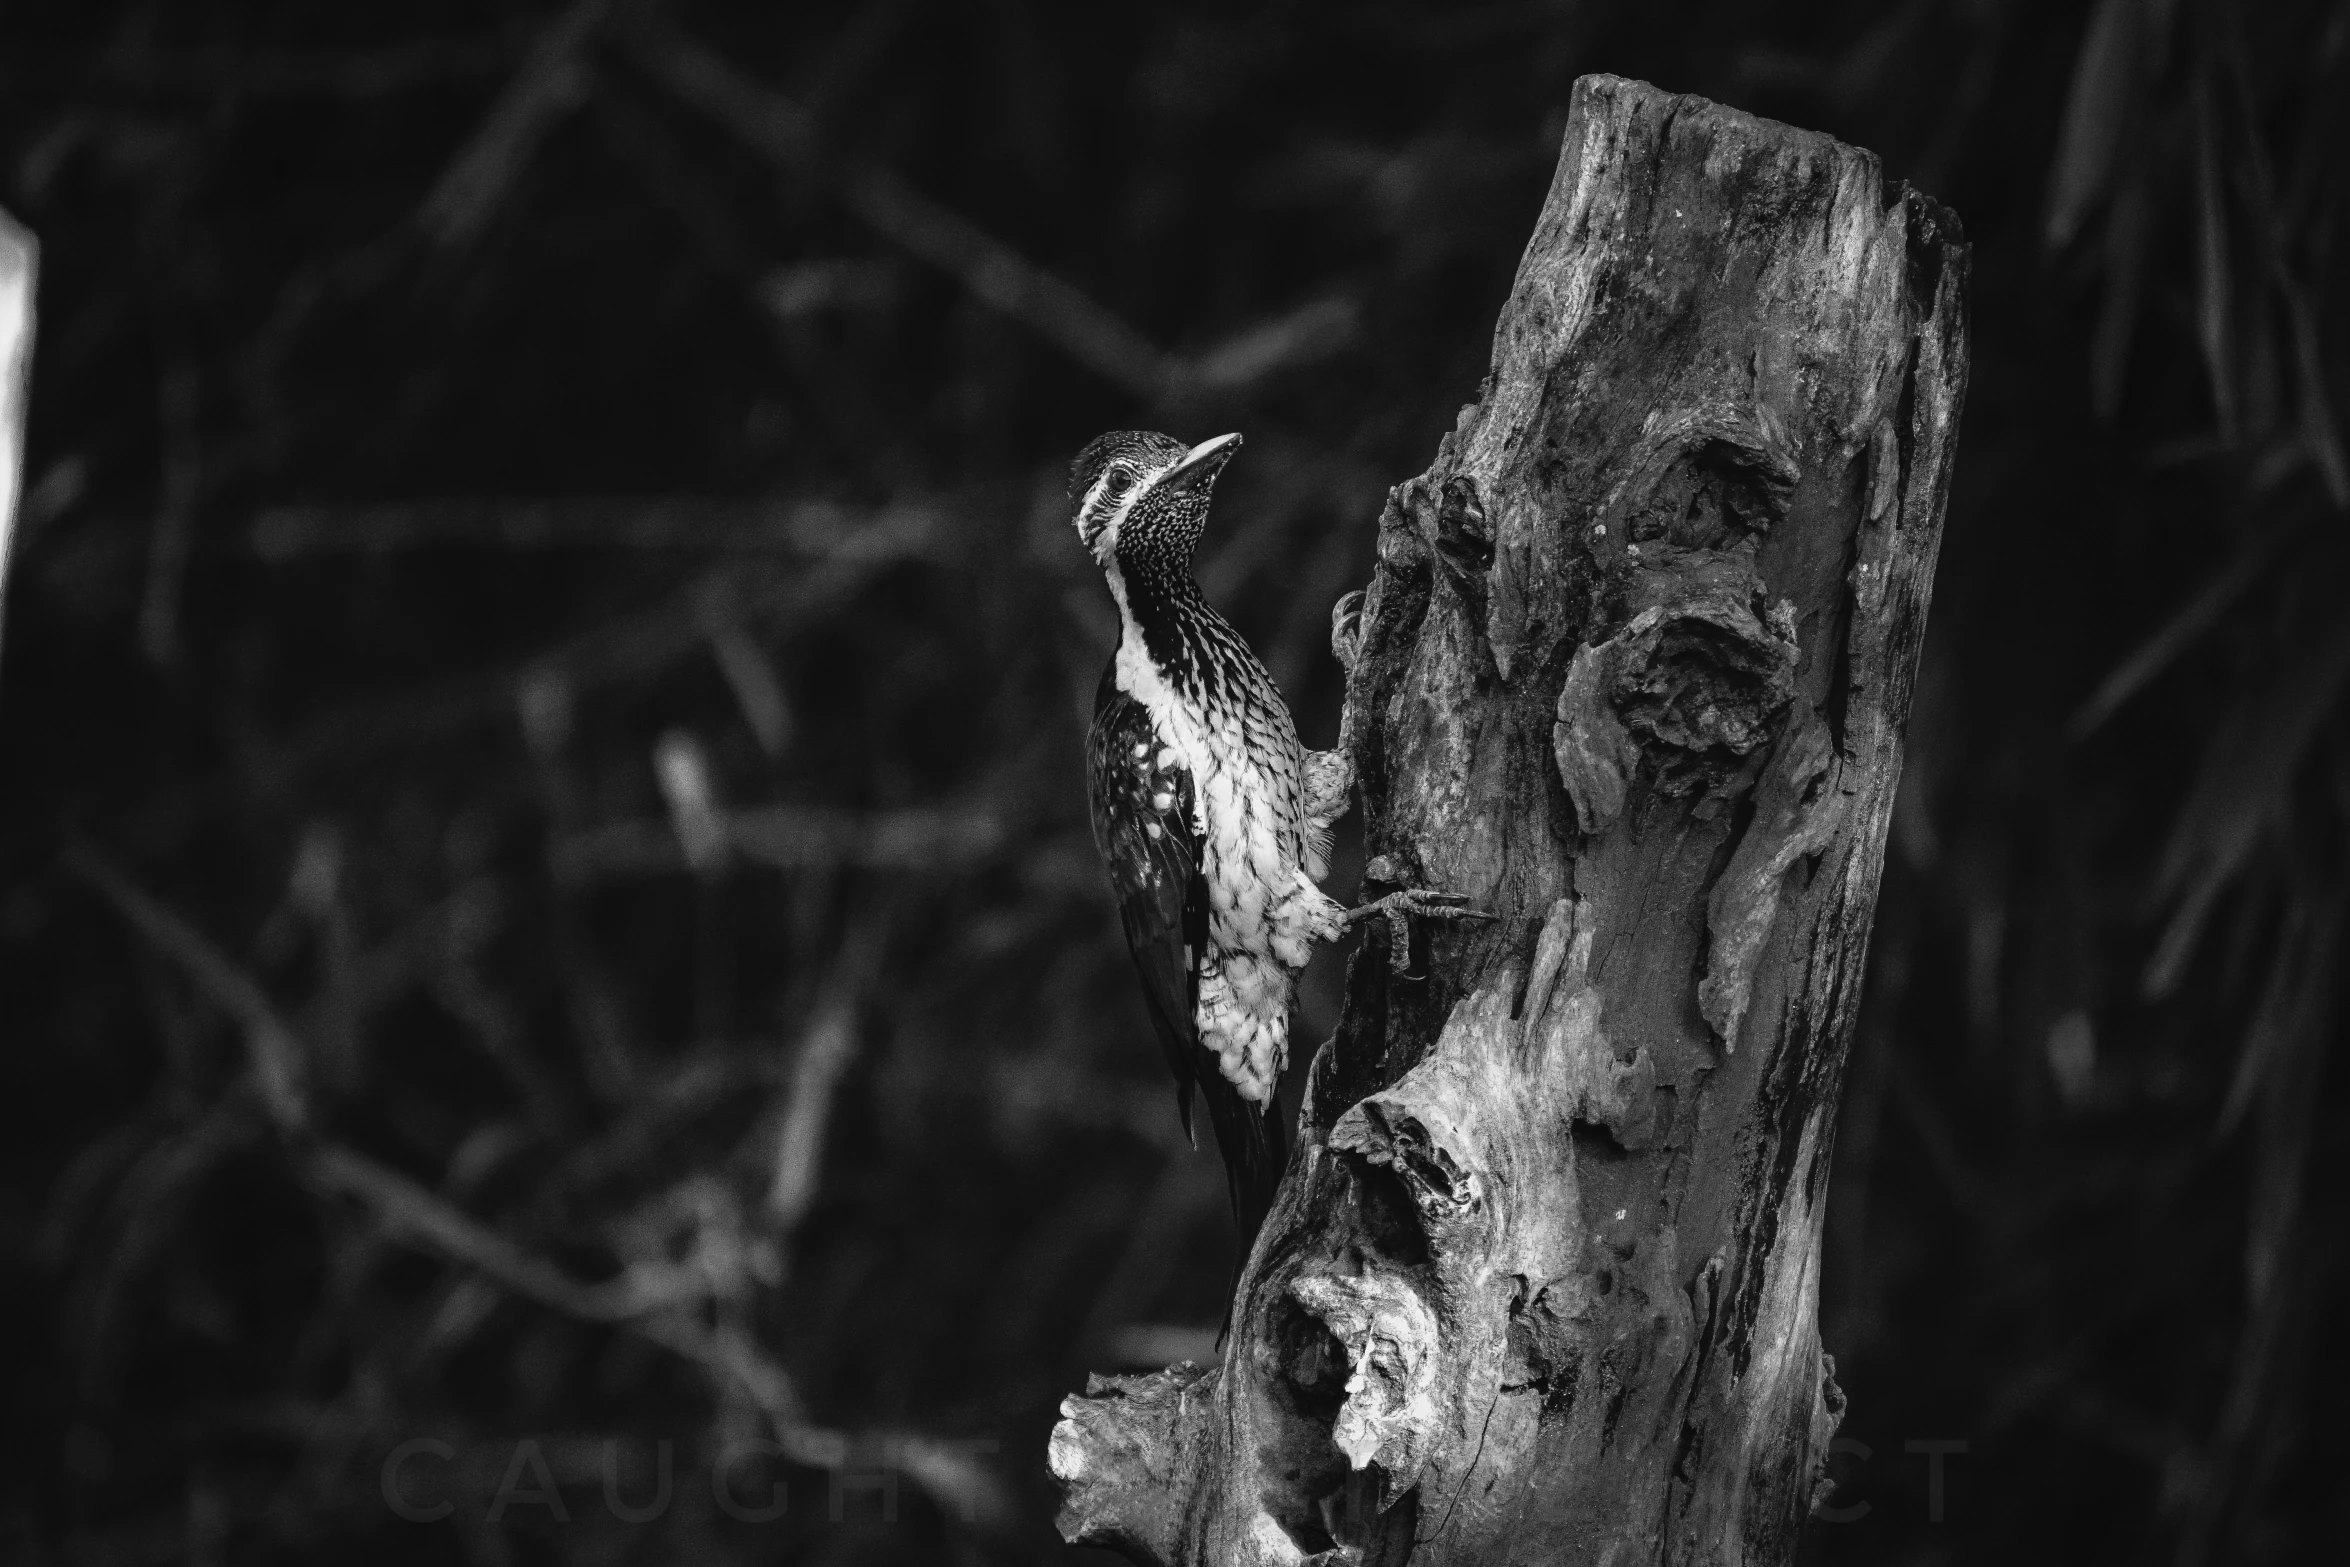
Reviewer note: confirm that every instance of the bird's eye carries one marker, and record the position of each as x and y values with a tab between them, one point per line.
1120	482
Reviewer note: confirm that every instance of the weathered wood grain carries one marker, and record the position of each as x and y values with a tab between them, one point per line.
1541	1285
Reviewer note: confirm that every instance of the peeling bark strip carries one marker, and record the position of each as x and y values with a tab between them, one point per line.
1541	1285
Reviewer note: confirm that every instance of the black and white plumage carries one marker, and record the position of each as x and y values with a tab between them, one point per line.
1213	821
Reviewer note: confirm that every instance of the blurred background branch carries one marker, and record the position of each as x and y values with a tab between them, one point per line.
19	257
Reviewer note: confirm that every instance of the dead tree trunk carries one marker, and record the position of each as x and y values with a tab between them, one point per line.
1542	1283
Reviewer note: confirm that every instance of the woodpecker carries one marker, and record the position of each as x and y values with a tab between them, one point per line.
1213	821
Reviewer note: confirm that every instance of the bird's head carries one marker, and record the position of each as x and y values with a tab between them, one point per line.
1142	498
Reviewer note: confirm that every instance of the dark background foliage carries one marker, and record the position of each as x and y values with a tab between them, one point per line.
543	882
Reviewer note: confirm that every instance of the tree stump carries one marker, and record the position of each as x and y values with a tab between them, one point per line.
1541	1284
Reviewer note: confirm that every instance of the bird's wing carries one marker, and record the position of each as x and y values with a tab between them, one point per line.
1154	860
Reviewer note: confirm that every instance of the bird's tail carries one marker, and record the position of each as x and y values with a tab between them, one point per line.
1255	1150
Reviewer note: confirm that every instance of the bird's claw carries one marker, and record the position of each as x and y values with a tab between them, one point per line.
1398	907
1346	630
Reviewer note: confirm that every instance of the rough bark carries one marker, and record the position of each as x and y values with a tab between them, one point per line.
1541	1285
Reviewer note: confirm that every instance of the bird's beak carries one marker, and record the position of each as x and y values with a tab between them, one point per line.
1201	464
